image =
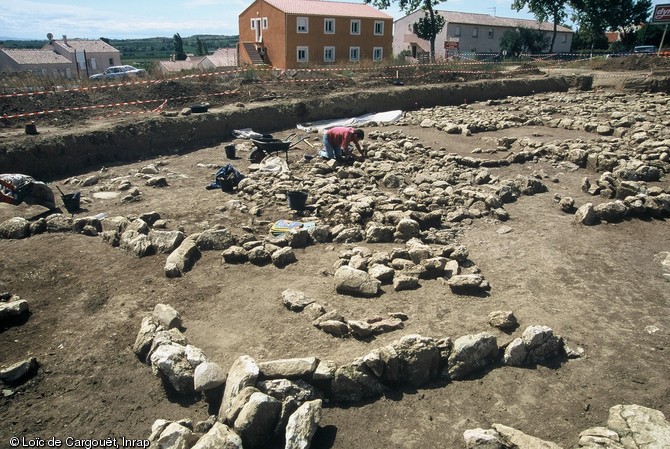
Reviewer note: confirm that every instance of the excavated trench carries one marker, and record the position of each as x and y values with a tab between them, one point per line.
66	152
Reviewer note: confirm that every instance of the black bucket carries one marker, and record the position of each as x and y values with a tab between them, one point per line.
230	151
71	201
296	199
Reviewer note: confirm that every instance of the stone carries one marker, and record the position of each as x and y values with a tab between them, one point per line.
235	255
359	329
405	282
145	337
467	283
137	243
335	328
299	238
259	256
295	301
611	212
257	420
288	368
407	229
482	439
518	439
382	273
639	426
472	353
386	325
13	308
15	228
378	233
355	282
283	257
243	373
354	382
207	376
516	353
182	259
503	320
586	215
157	181
19	371
419	359
283	389
219	436
302	425
176	436
167	316
170	362
215	240
164	242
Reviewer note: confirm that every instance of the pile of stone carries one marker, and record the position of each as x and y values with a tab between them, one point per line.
361	271
334	323
282	399
628	426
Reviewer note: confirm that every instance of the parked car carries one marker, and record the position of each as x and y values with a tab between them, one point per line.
119	71
645	49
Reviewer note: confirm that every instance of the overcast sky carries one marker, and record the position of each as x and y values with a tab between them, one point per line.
124	19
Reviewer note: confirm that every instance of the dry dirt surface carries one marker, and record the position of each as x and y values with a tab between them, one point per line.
600	287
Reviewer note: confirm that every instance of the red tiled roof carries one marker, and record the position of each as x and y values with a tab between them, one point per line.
328	8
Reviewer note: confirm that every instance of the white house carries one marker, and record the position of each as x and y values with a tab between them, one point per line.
90	56
469	32
35	61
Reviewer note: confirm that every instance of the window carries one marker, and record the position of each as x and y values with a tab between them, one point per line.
490	33
303	54
377	53
457	31
354	54
329	26
379	27
265	23
92	64
253	24
565	38
303	25
111	61
475	32
355	26
328	54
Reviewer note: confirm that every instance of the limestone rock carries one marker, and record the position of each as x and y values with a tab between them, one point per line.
482	439
283	257
517	439
235	254
302	425
215	240
468	283
355	282
207	376
15	228
288	368
257	420
182	259
639	426
243	373
471	353
219	436
586	215
13	308
19	371
167	316
295	300
503	319
355	382
171	363
165	242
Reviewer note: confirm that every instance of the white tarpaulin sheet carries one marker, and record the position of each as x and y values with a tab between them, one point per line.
379	117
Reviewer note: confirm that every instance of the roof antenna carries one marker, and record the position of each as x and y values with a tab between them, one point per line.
494	10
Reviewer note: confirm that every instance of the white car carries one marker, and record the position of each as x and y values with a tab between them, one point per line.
119	71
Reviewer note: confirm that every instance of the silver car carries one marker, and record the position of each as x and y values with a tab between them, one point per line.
119	71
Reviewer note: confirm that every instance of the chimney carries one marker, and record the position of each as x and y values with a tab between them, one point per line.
64	39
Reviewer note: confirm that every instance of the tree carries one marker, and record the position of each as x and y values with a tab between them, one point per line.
201	47
429	26
178	43
523	40
543	10
597	16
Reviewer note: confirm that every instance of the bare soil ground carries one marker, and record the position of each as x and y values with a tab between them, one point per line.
599	287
